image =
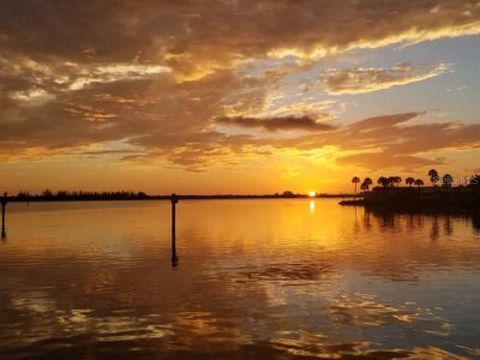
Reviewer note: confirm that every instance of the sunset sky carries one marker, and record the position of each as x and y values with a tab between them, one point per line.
236	96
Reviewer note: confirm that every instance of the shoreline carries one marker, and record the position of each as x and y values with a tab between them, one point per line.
180	197
418	199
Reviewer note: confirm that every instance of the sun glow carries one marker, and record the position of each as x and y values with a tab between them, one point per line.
312	194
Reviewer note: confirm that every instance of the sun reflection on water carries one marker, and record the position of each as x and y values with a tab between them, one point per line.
279	278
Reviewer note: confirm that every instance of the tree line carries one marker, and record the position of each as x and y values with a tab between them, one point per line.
446	181
81	195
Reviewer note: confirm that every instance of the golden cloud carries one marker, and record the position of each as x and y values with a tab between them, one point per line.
157	74
363	80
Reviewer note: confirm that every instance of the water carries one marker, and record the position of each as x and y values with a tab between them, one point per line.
256	279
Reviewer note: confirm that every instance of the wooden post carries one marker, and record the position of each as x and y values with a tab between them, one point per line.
4	205
174	200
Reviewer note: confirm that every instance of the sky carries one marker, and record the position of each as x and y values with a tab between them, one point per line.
236	96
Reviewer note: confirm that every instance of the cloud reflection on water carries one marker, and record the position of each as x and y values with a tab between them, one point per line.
264	278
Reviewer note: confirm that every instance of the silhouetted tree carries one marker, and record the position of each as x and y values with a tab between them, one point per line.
433	174
447	180
364	186
368	182
410	181
419	182
391	181
397	180
383	181
47	193
23	195
355	181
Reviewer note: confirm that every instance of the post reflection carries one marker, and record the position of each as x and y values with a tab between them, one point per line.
3	204
174	258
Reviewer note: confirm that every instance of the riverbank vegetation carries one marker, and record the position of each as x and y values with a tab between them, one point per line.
443	191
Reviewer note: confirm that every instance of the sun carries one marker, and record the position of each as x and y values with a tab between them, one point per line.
312	194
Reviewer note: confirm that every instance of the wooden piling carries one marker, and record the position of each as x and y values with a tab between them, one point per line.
174	200
4	210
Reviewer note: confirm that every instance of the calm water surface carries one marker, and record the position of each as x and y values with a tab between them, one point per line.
256	279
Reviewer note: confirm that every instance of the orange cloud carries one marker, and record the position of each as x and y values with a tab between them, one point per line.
156	75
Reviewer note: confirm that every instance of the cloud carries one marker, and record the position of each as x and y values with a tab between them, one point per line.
383	142
114	72
156	75
364	80
68	76
277	124
382	122
32	97
197	39
391	141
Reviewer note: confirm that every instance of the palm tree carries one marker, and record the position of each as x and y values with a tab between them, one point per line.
397	180
409	181
419	182
433	176
368	182
447	180
355	181
391	181
364	186
382	180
